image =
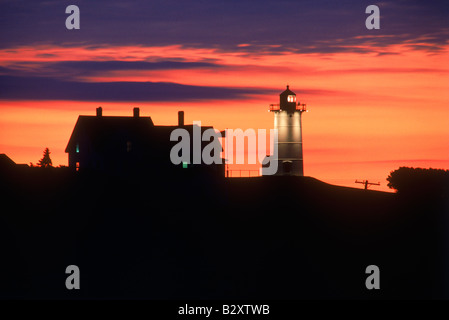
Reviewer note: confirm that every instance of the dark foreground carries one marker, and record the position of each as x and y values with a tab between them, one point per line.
200	238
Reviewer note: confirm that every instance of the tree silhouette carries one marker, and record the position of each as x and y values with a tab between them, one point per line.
45	162
418	180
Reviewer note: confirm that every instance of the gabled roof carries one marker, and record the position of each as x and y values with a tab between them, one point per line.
104	128
99	129
6	161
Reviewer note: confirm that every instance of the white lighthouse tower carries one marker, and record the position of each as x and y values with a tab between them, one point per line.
287	120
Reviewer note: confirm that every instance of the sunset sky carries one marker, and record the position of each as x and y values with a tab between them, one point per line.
377	99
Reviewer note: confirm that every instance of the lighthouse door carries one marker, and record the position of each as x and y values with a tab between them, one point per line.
287	167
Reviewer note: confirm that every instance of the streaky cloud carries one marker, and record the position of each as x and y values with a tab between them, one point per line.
41	88
298	26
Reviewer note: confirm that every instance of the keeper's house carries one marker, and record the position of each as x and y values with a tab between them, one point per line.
123	145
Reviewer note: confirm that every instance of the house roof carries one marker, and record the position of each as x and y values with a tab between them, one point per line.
99	129
6	161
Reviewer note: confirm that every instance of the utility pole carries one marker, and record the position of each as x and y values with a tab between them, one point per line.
367	183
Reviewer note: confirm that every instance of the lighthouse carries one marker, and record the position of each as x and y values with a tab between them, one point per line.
287	120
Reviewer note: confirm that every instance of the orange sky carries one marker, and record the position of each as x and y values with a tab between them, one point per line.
369	113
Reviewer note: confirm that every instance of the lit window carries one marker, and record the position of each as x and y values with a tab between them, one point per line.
77	148
184	165
77	166
291	98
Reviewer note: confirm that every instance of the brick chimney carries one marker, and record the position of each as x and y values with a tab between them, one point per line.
180	118
136	112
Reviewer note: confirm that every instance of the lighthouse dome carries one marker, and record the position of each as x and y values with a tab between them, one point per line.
288	92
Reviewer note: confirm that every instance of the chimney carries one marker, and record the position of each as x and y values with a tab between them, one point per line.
180	118
136	112
99	111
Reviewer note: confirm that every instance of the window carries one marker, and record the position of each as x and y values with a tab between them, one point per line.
291	98
77	148
77	166
185	165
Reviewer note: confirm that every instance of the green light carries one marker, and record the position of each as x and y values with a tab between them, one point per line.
184	165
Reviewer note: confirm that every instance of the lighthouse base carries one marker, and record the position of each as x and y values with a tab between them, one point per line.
284	168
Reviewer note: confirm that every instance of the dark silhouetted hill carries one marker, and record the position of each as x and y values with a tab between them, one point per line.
196	237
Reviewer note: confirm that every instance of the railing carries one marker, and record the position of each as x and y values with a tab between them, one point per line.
299	107
230	173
